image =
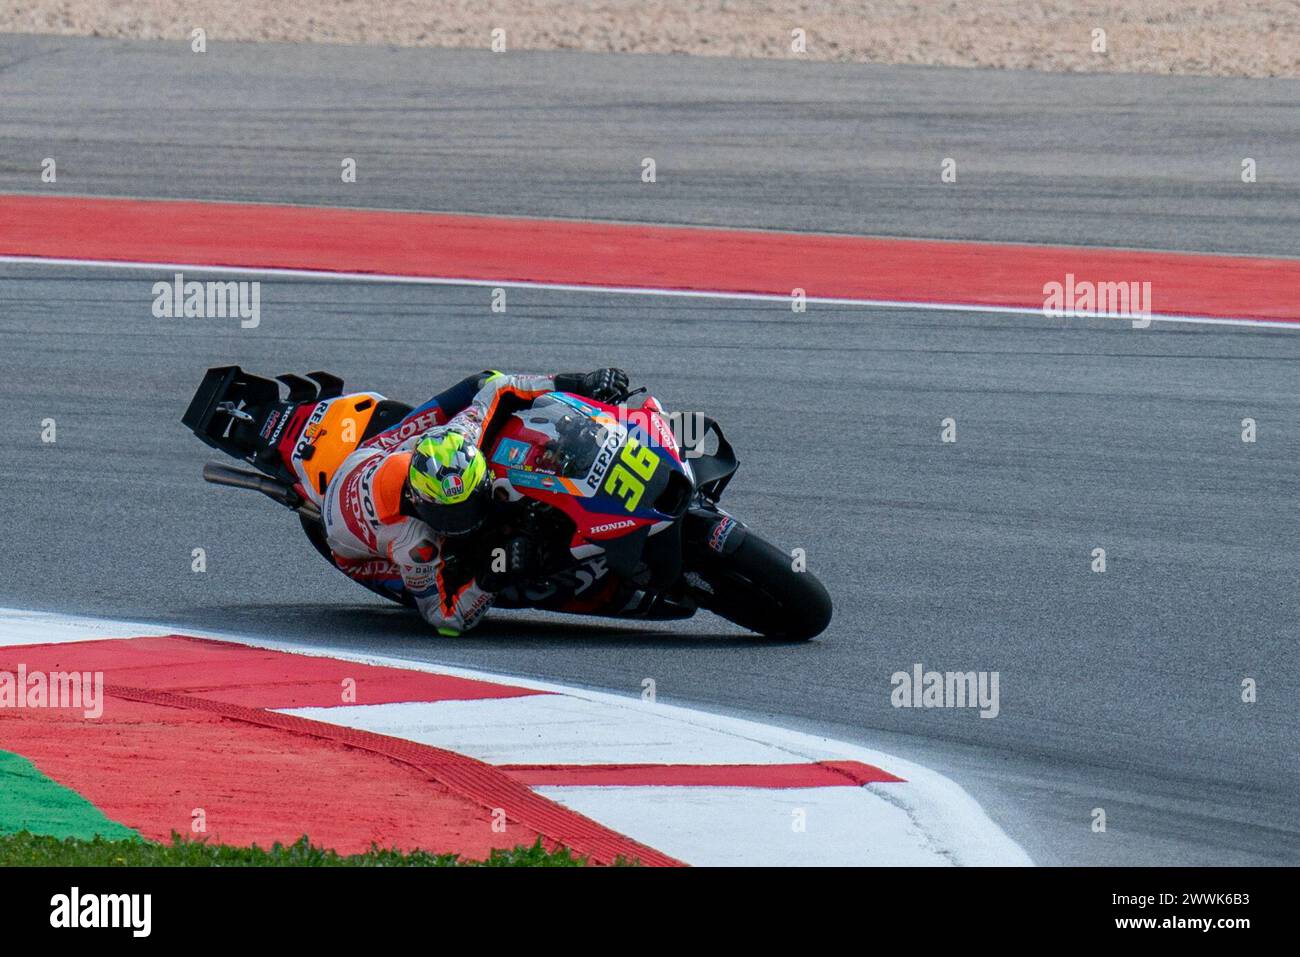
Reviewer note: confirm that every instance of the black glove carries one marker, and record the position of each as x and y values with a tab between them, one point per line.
603	385
509	563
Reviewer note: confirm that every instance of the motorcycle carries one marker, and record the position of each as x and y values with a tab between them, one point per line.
620	502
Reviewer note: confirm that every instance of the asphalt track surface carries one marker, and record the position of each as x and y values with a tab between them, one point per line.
1118	690
1086	158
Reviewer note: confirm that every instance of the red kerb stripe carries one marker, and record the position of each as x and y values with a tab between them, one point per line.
504	249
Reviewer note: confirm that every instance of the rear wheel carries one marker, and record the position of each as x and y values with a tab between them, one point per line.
756	587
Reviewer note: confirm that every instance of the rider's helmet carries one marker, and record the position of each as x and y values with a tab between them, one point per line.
449	485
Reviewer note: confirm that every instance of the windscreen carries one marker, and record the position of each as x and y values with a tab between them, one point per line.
575	439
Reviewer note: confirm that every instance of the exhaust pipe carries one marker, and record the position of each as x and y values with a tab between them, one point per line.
219	474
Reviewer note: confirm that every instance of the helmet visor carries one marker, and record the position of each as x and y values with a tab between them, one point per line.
462	518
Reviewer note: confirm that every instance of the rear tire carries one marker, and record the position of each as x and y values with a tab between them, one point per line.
756	587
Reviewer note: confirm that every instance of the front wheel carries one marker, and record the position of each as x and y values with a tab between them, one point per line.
755	586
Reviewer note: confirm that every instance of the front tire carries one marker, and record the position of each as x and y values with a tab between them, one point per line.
755	587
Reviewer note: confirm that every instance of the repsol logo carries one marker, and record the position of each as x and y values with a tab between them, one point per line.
356	504
603	460
310	429
368	496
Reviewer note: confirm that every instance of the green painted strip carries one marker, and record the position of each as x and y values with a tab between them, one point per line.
30	801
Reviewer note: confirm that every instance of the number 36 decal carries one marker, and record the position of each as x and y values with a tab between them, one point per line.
627	478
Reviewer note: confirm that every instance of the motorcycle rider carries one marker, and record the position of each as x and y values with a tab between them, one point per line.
417	501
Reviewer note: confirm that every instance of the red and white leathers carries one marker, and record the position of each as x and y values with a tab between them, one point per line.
365	526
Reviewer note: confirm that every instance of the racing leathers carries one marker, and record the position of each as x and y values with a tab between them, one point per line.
373	538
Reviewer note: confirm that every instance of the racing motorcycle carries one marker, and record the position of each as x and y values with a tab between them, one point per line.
620	502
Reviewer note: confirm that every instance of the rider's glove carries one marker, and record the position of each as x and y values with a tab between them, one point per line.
509	563
603	385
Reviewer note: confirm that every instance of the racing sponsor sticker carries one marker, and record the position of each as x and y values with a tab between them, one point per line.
476	610
611	526
721	532
358	505
542	480
269	432
575	402
604	458
662	434
404	430
369	568
511	452
312	427
419	580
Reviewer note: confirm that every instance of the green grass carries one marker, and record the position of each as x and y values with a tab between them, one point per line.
24	849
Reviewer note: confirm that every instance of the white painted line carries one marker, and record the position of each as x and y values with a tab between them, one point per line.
19	627
620	290
730	827
560	729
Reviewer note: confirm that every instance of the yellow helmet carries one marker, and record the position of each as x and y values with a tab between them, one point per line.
449	482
